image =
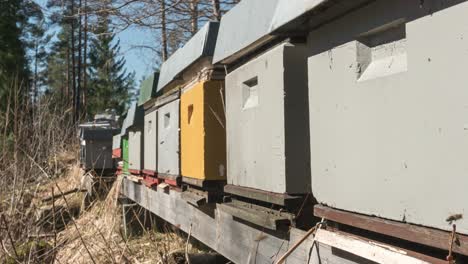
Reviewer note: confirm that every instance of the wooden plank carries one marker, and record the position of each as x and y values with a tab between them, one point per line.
252	216
259	195
167	98
193	198
417	234
133	178
411	253
372	251
236	241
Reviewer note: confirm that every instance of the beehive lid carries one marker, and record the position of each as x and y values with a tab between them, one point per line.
148	88
243	27
98	134
135	118
295	16
202	44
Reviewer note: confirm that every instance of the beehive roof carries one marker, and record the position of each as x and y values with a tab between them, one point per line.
148	88
244	25
202	44
135	118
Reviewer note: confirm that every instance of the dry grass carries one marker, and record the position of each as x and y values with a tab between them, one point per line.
39	160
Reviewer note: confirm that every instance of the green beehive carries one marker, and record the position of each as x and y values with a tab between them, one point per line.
125	154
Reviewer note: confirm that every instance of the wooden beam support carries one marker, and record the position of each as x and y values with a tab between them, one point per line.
237	241
379	253
193	198
417	234
257	217
264	196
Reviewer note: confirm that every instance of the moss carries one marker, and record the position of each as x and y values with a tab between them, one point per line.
40	251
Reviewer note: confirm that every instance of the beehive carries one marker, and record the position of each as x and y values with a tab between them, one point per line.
389	115
132	129
96	149
135	151
168	140
267	122
184	149
202	132
147	100
151	142
96	142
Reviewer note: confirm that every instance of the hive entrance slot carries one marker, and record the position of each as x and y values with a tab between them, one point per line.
190	113
250	93
382	51
167	120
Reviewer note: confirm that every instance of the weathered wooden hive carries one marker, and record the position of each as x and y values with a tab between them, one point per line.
266	108
147	100
96	142
388	111
132	128
189	74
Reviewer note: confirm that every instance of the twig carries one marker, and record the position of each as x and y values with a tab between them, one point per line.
452	240
54	227
298	243
187	258
50	198
12	242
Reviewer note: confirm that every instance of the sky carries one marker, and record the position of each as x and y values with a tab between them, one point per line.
138	59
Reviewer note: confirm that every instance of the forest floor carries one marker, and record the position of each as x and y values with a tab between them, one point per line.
70	227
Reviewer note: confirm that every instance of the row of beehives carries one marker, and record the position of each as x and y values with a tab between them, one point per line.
364	106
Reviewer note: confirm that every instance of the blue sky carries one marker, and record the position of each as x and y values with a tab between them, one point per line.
139	60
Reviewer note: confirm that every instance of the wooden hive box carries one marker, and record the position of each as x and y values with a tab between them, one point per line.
388	112
169	141
267	123
133	129
147	100
185	147
203	136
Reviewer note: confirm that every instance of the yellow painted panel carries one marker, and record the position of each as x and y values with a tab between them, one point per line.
203	137
192	132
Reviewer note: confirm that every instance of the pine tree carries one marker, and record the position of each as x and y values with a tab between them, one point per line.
58	79
110	86
13	62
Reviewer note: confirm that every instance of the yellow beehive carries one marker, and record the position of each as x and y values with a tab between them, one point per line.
203	135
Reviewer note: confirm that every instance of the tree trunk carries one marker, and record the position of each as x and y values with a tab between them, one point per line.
193	16
163	30
36	52
216	10
73	68
78	86
85	57
67	91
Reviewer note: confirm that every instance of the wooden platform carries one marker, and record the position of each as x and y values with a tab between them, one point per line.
413	233
242	243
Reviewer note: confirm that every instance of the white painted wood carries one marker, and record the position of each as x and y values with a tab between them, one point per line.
151	141
370	250
392	146
168	138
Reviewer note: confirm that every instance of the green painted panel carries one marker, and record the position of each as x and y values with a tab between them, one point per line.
125	154
148	88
